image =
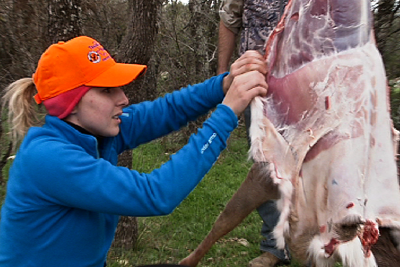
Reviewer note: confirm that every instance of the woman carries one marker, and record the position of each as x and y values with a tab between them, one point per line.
65	192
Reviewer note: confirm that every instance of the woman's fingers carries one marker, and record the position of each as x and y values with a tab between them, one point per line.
243	89
251	60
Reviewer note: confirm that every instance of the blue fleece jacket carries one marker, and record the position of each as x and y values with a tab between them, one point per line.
65	192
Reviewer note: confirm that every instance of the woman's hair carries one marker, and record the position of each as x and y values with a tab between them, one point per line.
22	111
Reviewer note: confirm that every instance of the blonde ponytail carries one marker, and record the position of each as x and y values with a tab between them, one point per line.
22	111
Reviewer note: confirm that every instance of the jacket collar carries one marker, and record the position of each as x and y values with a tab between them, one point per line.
60	128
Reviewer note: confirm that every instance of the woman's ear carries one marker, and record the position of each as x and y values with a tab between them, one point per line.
72	116
75	109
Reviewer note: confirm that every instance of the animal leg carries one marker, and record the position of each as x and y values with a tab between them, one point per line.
255	190
385	251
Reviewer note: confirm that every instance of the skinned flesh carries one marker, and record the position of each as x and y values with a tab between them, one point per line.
326	133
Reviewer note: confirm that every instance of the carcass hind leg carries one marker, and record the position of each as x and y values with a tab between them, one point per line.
255	190
385	251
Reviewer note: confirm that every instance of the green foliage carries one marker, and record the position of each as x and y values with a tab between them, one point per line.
387	34
3	185
395	101
185	51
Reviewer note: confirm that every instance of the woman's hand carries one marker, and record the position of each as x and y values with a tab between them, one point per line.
243	89
251	60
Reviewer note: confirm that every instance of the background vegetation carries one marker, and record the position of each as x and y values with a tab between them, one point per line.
179	44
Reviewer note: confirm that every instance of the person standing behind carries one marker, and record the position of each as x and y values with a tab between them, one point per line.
255	19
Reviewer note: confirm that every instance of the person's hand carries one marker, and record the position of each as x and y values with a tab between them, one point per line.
243	89
251	60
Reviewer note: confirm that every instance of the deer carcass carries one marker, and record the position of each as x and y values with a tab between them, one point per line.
322	141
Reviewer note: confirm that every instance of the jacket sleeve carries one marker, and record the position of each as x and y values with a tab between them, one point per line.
76	179
230	13
149	120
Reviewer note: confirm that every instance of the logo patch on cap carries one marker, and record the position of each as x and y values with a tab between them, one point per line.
94	57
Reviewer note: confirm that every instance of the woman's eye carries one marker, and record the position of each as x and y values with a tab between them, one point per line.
107	90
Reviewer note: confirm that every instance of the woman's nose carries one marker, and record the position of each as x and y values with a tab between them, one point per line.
122	98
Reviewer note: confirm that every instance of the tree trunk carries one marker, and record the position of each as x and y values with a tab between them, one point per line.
64	20
127	233
137	47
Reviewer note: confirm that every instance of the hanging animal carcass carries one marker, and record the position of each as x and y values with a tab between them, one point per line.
322	141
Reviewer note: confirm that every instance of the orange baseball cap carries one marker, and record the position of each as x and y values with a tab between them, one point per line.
81	61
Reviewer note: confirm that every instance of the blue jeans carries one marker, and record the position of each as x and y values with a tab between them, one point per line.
270	216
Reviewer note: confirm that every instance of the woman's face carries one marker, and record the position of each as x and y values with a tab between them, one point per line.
98	111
